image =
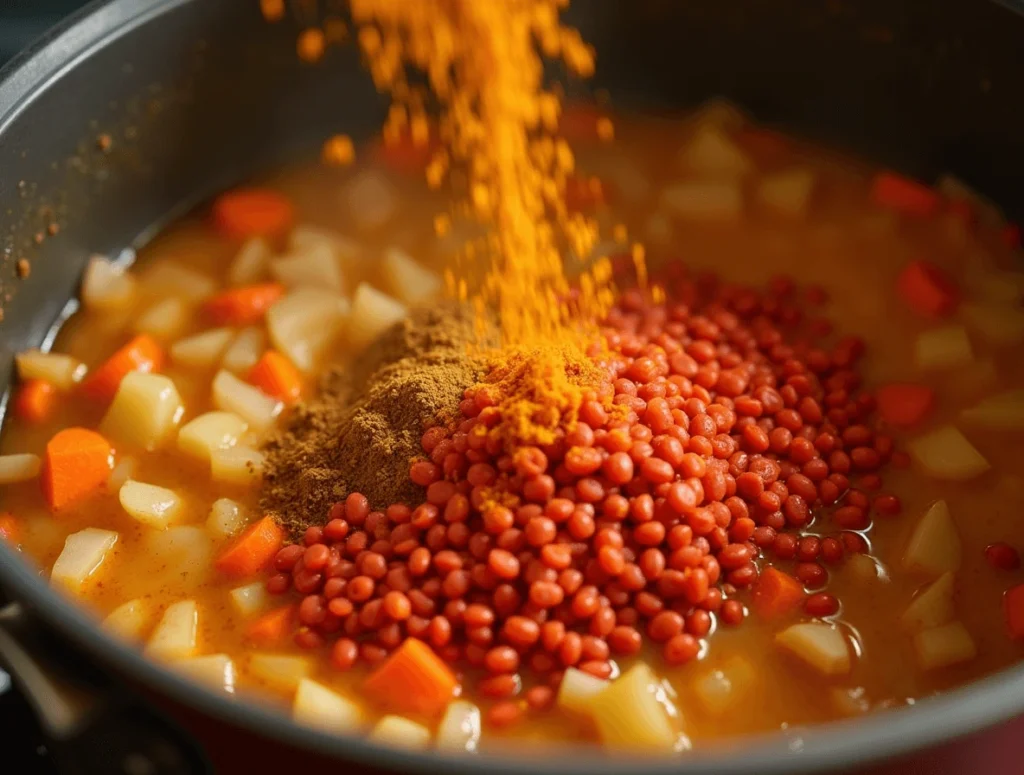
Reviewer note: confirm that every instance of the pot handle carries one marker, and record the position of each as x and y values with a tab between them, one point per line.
93	726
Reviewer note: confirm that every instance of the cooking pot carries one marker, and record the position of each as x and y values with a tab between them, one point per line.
135	109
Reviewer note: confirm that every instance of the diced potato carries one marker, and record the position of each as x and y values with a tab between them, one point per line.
313	267
236	465
370	199
216	671
145	411
227	518
304	324
1000	324
943	646
820	645
129	620
866	569
250	263
633	712
932	607
245	350
711	153
459	729
165	279
279	672
106	285
61	371
787	192
18	468
210	431
578	690
934	547
149	504
250	599
202	351
945	347
306	237
401	733
410	282
175	635
249	403
123	470
945	453
317	706
1003	412
850	702
183	552
719	690
372	313
705	200
82	555
165	320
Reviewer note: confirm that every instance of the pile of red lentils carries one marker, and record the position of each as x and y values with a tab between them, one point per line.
727	435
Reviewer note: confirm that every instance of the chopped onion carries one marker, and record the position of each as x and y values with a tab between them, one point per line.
1003	412
129	620
408	280
165	279
946	454
401	732
373	313
314	267
705	200
245	350
202	351
305	323
787	192
250	599
82	555
932	607
149	504
106	285
950	644
61	371
237	465
227	518
821	646
233	395
199	437
279	672
945	347
145	411
934	547
165	320
317	706
459	729
250	263
214	670
175	635
18	468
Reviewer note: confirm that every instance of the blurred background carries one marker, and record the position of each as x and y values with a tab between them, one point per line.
21	21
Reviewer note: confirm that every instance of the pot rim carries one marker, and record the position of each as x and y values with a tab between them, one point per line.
831	746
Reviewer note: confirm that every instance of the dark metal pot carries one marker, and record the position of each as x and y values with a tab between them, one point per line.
194	94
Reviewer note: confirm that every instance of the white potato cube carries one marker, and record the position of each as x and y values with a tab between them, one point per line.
1002	412
945	453
711	153
129	620
202	351
82	555
151	505
401	733
210	431
164	279
217	671
305	323
934	547
634	712
305	237
1000	324
819	645
175	635
232	395
314	267
246	349
721	689
250	599
317	706
866	569
279	672
718	201
145	411
250	263
407	280
373	313
165	320
578	689
787	192
945	347
932	607
227	518
943	646
122	471
459	729
61	371
106	285
18	468
237	465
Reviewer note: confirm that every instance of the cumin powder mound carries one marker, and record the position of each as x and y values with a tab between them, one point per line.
363	428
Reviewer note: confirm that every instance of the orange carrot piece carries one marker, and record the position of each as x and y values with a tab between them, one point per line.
243	306
35	401
253	212
277	377
253	550
776	594
76	464
1013	611
9	528
904	404
927	290
272	627
904	195
412	680
140	354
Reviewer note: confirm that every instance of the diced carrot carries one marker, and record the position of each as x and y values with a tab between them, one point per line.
243	306
277	377
412	680
35	401
1011	236
904	195
142	353
253	212
9	528
904	404
76	464
252	551
272	627
776	594
927	290
1013	610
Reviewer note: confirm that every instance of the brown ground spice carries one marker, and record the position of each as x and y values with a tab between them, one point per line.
363	428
